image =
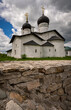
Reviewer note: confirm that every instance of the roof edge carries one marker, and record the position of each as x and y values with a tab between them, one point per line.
31	42
32	33
9	50
47	44
52	31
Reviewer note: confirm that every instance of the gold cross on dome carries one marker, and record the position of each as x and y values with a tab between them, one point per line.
43	9
26	14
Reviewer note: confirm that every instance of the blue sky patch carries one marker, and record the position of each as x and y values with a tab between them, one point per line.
1	1
6	26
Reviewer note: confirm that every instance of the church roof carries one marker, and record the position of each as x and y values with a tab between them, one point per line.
9	50
31	43
52	31
47	44
37	36
67	48
32	33
54	38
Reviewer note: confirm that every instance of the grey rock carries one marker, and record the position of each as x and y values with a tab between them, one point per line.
20	80
53	87
54	70
68	89
67	82
54	98
69	97
33	85
2	94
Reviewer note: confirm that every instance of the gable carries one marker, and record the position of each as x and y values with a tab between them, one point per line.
48	44
32	33
31	43
54	38
49	34
59	35
30	38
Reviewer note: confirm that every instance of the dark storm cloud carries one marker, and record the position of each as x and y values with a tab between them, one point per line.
67	32
64	30
63	5
1	1
23	4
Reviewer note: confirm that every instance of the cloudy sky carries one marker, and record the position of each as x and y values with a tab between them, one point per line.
12	17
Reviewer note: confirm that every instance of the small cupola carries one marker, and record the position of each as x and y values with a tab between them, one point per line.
26	28
43	22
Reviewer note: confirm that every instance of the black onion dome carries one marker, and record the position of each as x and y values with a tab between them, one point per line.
42	19
26	25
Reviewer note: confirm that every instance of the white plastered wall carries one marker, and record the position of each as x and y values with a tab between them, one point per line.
20	48
48	51
32	51
69	53
25	39
16	48
59	48
43	27
9	53
26	31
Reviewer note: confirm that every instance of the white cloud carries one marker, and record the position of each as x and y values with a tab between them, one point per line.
13	14
13	11
68	44
4	42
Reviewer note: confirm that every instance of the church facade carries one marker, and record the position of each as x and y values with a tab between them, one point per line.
39	44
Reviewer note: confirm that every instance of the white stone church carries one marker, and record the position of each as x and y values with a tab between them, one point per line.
43	43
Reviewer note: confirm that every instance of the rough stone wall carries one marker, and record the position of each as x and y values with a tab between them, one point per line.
35	88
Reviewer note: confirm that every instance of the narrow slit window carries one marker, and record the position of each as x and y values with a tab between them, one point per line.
15	52
35	50
49	50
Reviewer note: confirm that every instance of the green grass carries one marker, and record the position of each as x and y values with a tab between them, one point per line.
48	58
4	57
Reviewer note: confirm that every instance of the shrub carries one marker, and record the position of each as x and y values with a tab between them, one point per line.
23	56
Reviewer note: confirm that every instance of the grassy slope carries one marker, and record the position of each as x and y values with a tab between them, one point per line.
4	57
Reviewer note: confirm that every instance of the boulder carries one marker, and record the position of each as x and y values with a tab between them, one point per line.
11	105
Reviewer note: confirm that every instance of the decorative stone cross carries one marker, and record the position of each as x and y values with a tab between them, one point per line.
43	10
26	14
